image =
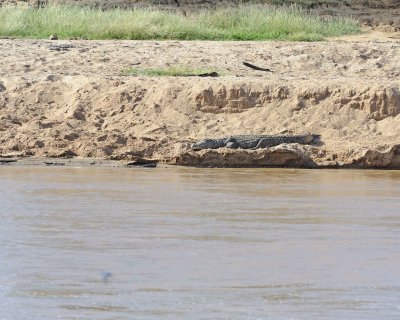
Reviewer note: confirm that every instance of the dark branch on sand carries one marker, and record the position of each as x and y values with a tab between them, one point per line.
255	67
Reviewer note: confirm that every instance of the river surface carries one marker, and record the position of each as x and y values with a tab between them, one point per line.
183	243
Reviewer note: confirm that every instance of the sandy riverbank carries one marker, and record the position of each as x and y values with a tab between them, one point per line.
75	102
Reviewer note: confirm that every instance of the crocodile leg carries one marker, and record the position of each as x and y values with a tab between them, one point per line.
231	143
266	143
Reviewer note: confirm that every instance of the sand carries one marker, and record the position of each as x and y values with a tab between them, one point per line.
77	103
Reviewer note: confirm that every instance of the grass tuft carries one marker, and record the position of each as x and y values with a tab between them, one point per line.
175	71
249	22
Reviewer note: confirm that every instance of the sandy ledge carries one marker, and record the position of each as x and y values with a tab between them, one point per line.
76	103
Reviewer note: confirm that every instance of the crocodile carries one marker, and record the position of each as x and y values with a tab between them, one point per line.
254	141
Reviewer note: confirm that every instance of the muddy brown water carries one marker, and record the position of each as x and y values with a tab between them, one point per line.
179	243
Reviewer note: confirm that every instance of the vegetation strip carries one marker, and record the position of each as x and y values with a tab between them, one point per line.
177	71
247	22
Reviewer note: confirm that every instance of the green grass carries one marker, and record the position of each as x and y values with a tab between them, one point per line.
250	22
302	3
175	71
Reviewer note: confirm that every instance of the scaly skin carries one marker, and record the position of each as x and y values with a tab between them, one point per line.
254	141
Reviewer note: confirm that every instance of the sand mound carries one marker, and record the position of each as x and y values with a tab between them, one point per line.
76	103
377	101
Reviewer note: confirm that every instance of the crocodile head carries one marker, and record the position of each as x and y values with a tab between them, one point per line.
206	144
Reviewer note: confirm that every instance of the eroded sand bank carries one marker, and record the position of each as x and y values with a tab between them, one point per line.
75	102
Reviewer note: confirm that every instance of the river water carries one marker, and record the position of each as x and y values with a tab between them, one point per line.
182	243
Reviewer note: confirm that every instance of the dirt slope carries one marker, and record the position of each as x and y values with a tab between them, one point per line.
76	102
